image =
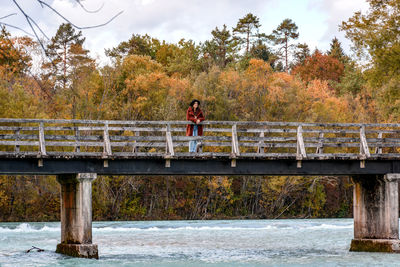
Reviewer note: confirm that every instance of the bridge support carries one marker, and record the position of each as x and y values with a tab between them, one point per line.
376	213
76	215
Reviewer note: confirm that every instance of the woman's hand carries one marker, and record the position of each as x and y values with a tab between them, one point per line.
198	121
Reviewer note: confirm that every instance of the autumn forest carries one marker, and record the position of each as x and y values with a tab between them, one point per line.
240	73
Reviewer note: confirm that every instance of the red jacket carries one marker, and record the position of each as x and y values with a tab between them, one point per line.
191	116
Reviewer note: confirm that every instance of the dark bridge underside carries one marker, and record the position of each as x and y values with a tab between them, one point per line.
197	167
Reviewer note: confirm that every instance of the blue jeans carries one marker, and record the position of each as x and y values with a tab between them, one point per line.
192	144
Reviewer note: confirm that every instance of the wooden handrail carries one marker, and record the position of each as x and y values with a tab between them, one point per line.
113	139
231	123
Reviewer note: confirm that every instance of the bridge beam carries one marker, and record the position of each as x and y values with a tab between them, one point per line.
376	213
76	215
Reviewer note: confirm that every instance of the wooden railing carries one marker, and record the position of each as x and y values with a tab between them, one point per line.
166	139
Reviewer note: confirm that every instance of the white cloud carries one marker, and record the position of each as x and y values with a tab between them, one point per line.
172	20
336	12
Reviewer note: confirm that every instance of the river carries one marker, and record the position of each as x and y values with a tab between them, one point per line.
196	243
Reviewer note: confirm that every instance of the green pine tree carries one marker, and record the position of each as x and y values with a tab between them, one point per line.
337	52
246	31
66	56
281	37
222	47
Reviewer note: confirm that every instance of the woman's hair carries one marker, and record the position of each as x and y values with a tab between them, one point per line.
194	101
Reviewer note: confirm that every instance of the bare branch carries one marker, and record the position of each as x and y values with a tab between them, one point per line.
32	23
15	27
31	26
9	15
76	26
89	11
39	83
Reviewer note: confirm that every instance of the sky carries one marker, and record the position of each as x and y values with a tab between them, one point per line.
172	20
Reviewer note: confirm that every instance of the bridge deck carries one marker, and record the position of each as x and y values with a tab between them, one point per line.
226	142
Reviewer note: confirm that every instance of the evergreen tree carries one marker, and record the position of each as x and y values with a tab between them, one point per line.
337	52
246	31
66	56
261	51
301	53
282	35
222	47
185	59
143	45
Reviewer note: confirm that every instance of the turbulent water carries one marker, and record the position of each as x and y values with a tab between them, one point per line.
196	243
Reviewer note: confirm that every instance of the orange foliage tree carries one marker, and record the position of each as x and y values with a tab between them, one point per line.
320	66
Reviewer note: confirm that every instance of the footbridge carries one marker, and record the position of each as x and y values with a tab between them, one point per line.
79	150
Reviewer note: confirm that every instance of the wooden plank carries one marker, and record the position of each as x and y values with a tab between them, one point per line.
21	128
332	139
20	143
42	142
98	155
301	151
220	144
132	129
170	146
74	144
241	123
333	131
182	144
382	145
189	138
269	156
74	137
267	139
20	136
364	150
107	146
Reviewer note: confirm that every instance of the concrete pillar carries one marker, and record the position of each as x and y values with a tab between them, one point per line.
76	215
376	213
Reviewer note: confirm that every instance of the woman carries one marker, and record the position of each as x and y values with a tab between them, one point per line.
195	115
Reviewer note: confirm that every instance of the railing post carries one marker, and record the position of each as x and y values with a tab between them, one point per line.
235	142
378	149
199	147
77	134
17	147
107	144
235	145
169	146
301	151
42	144
134	147
261	144
320	147
364	150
